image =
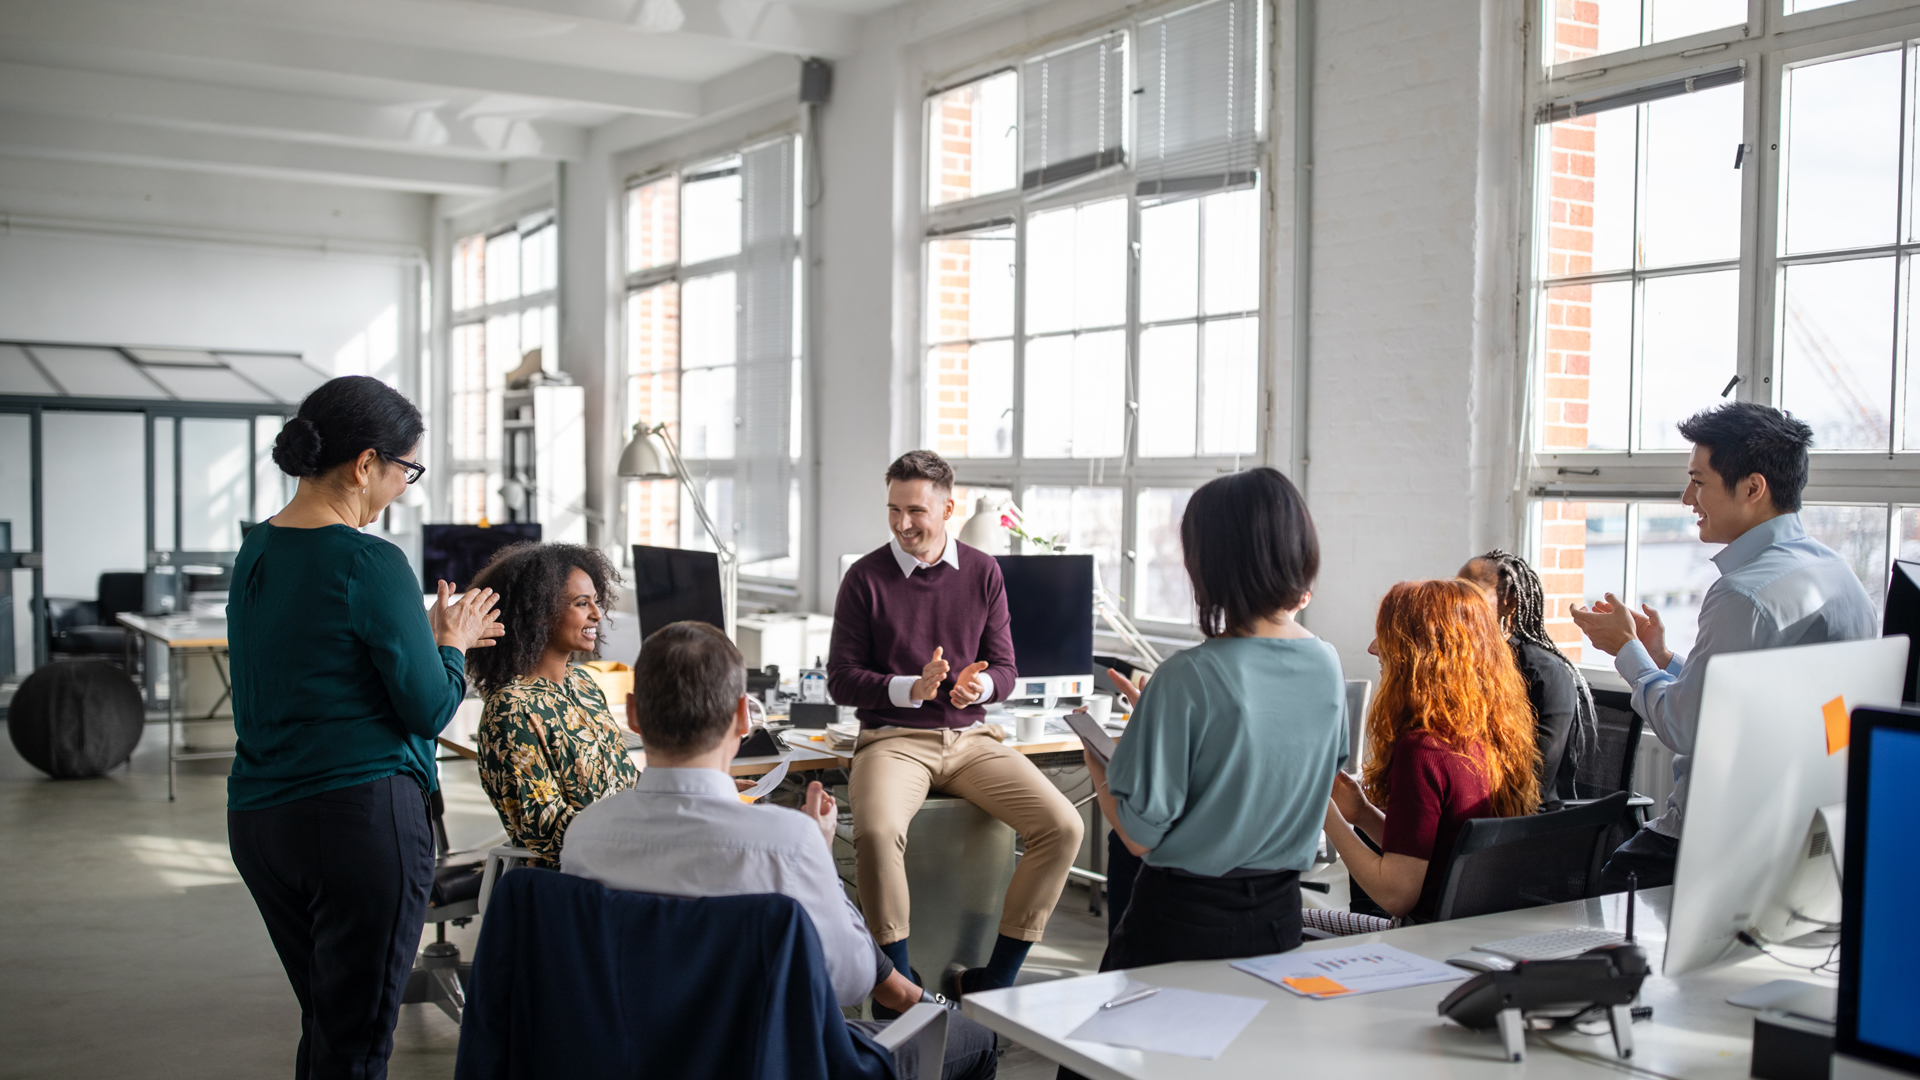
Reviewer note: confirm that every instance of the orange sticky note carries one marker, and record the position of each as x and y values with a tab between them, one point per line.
1838	731
1318	985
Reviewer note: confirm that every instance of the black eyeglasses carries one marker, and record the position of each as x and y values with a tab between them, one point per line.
415	470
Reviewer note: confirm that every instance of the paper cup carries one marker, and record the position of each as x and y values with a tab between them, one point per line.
1030	728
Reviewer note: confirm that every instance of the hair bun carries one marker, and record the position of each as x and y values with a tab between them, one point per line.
297	448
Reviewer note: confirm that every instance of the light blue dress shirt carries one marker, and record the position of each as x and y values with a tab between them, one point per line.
1228	761
1778	587
685	832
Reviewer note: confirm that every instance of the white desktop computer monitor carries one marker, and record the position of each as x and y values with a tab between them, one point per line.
1769	754
1877	1033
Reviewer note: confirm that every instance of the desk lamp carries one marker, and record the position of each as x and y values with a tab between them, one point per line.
651	455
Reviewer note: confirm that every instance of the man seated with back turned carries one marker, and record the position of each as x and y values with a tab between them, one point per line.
683	831
909	616
1777	587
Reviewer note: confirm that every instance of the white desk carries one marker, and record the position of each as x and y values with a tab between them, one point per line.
182	636
1399	1034
799	758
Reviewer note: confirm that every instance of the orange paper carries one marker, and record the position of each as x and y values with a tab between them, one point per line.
1838	731
1317	984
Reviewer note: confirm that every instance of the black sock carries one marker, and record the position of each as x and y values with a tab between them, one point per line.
897	952
1002	967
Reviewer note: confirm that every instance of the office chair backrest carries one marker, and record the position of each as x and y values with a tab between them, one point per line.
1610	767
1501	864
121	591
573	979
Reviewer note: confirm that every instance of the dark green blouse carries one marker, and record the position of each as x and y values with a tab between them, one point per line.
336	679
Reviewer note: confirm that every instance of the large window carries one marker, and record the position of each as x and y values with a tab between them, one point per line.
713	351
1739	229
1092	314
505	291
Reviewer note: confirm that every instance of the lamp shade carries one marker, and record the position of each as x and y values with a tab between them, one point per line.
643	458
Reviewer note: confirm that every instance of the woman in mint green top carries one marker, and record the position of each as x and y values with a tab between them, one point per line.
1220	782
340	681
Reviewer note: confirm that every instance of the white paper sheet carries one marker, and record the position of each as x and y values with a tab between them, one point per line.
767	783
1183	1022
1358	969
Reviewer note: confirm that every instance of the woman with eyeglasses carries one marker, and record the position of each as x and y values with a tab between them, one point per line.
341	680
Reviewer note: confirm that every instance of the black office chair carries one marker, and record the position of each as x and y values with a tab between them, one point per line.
439	976
1502	864
91	627
1610	767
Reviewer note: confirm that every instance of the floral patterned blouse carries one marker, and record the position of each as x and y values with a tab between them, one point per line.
547	752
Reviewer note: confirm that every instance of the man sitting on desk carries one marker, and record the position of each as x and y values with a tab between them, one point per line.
683	831
908	616
1777	587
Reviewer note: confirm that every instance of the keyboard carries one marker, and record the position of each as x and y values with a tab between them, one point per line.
1554	945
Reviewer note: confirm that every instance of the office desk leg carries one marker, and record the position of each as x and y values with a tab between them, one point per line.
173	699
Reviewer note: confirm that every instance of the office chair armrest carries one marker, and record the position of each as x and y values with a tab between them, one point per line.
499	861
923	1027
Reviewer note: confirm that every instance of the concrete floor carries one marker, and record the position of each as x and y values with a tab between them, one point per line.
131	949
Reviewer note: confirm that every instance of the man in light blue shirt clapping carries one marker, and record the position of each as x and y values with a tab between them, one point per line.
1777	587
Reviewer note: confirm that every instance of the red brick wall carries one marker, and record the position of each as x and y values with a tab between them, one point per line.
951	268
1567	334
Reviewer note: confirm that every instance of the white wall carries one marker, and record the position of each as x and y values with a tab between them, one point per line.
149	257
1410	269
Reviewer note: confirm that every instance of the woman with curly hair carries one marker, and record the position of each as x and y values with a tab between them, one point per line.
1563	711
1450	737
549	747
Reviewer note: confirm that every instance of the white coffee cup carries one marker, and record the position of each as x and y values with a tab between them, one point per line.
1030	728
1100	707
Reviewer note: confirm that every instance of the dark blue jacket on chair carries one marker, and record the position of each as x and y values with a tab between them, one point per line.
574	980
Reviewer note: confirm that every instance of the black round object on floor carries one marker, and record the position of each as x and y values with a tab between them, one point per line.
76	718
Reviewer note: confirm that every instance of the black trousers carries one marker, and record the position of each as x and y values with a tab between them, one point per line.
1649	855
1173	916
1123	867
341	879
971	1053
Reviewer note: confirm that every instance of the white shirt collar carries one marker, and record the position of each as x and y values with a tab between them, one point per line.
908	564
661	780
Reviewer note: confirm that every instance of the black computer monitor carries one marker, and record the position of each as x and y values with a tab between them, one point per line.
1879	952
674	584
1050	604
1903	617
457	553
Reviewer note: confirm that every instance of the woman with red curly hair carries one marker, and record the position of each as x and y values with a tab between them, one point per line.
1450	737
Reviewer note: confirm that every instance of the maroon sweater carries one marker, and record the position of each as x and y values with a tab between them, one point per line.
886	624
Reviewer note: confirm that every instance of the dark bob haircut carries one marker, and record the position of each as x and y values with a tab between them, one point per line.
922	465
686	686
1743	438
532	582
343	419
1251	549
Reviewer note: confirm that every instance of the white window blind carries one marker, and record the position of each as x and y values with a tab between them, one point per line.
766	352
1199	98
1073	111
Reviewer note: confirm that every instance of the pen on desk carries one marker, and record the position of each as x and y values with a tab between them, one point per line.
1128	999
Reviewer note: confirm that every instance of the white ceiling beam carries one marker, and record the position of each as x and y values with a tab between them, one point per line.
111	142
764	24
128	29
419	127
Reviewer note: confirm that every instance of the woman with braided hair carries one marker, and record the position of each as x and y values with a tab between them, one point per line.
1562	702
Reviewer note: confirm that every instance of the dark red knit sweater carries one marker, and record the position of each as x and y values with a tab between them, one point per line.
886	624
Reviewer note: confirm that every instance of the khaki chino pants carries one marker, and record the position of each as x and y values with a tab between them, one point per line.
894	769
